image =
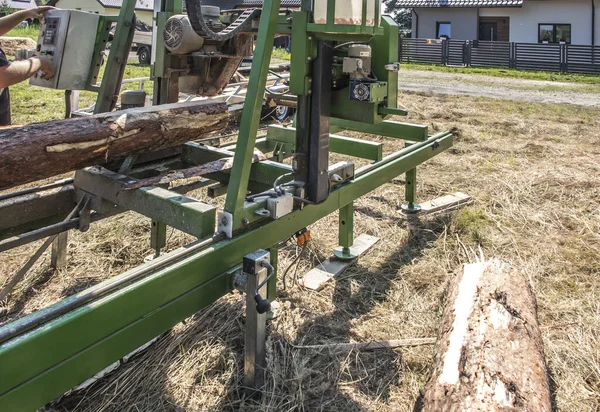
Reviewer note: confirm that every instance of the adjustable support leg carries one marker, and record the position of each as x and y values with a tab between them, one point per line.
158	237
410	207
58	258
255	360
346	250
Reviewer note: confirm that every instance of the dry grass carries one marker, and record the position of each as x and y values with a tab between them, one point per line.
533	170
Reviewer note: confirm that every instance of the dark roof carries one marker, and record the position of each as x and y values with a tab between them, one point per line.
459	3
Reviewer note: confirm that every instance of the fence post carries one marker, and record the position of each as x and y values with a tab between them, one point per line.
467	53
445	51
564	57
513	56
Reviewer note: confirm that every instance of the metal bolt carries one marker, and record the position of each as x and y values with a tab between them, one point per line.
309	37
245	221
310	79
309	58
224	221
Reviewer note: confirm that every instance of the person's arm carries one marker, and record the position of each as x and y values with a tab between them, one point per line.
11	21
18	71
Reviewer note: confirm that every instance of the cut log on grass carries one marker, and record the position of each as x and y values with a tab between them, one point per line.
42	150
490	354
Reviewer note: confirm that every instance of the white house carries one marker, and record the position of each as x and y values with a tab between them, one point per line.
143	8
526	21
20	4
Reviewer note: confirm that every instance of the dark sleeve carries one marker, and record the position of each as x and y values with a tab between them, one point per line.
3	60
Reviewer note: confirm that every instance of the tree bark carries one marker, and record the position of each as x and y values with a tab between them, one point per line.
42	150
490	353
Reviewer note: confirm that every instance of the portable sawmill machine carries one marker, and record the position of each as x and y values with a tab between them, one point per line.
343	77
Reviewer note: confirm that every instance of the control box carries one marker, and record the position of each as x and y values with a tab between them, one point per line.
69	37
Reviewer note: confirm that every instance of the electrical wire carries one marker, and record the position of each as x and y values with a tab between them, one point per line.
296	262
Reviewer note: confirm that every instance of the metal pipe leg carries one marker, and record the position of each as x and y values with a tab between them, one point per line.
158	237
58	257
272	284
346	233
410	207
255	361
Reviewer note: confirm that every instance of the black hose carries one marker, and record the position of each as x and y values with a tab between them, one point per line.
242	24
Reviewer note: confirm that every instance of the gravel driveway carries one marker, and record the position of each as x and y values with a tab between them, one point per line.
499	87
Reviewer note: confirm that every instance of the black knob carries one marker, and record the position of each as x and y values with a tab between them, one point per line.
262	305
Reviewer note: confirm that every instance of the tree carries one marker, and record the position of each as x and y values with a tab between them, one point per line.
5	9
402	16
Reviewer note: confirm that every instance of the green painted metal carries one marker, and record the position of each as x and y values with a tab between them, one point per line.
392	111
346	225
388	128
178	211
385	52
44	363
158	236
108	93
102	36
363	149
238	183
300	65
166	83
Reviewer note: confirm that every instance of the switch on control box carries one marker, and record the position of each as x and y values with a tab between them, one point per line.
69	38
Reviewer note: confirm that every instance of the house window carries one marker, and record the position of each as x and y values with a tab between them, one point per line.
444	30
554	33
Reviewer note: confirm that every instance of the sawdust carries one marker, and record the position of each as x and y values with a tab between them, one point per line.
533	171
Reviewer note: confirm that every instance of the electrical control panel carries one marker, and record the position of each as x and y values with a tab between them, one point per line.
69	38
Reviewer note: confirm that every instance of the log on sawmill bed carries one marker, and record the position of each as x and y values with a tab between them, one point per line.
43	150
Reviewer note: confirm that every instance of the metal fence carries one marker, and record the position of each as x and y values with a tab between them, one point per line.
564	58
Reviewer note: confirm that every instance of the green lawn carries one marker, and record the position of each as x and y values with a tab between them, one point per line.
31	32
512	73
31	104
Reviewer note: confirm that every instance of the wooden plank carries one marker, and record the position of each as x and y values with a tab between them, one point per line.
332	267
447	202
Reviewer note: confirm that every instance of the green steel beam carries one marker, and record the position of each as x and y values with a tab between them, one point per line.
117	59
385	51
240	174
388	128
349	146
175	210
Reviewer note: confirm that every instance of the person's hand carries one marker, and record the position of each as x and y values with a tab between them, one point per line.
46	67
36	12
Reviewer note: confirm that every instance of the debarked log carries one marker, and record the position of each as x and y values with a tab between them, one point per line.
490	354
43	150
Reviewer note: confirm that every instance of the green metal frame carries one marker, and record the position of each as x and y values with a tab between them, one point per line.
51	358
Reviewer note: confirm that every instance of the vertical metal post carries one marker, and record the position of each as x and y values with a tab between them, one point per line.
166	85
158	236
320	108
410	207
346	233
117	59
238	183
272	284
255	361
58	258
